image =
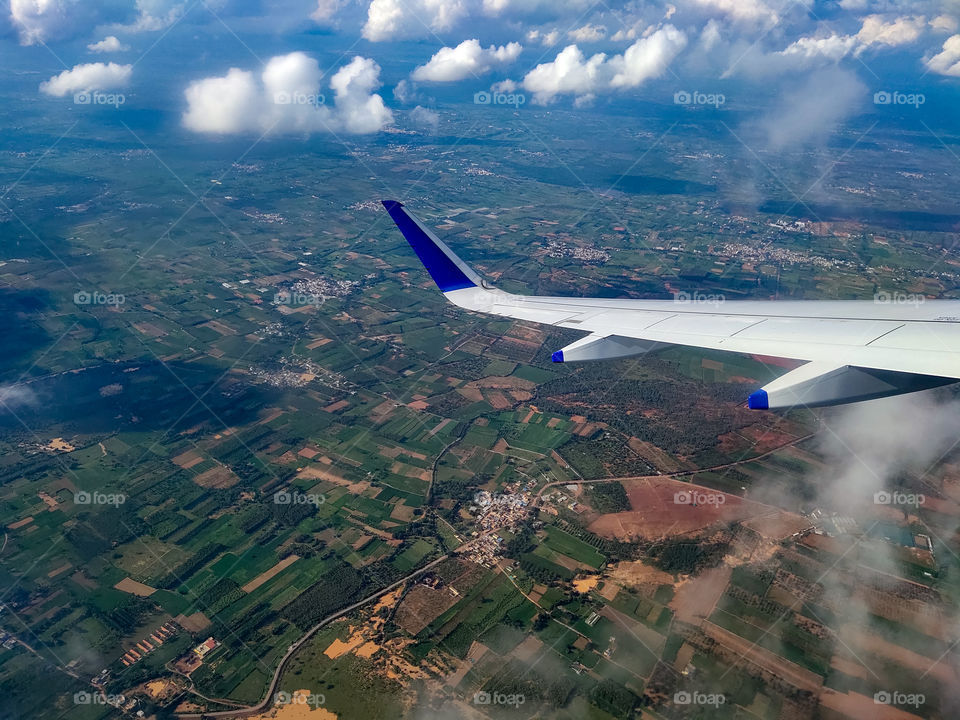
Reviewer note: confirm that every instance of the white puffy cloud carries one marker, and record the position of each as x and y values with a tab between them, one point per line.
286	99
325	11
397	19
745	11
588	33
547	39
833	47
86	78
392	19
947	61
571	73
466	59
109	44
901	31
155	15
37	21
944	23
875	30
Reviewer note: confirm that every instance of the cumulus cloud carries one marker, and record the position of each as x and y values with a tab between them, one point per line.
107	45
746	11
37	21
947	61
571	73
87	78
875	31
547	39
392	19
286	98
835	47
944	23
326	11
588	33
900	31
466	59
155	15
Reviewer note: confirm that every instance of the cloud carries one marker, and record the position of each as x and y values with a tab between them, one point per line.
901	31
16	396
153	15
944	23
326	11
745	11
286	99
571	73
466	59
393	19
947	61
107	45
811	111
871	445
86	78
547	39
588	33
37	21
835	47
425	118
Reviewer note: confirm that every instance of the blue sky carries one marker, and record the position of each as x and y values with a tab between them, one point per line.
353	67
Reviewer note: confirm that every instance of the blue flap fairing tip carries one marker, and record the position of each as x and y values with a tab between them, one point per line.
758	400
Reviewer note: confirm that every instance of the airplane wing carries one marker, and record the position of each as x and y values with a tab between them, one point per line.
854	350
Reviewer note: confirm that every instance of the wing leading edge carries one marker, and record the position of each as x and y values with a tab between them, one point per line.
854	350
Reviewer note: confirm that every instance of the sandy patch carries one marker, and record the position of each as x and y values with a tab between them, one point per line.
586	584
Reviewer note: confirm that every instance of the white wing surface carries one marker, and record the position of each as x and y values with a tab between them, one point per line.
854	350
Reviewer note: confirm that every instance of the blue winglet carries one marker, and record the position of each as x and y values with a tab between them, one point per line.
557	356
758	400
447	270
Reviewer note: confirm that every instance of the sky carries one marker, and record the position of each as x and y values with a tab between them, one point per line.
809	67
